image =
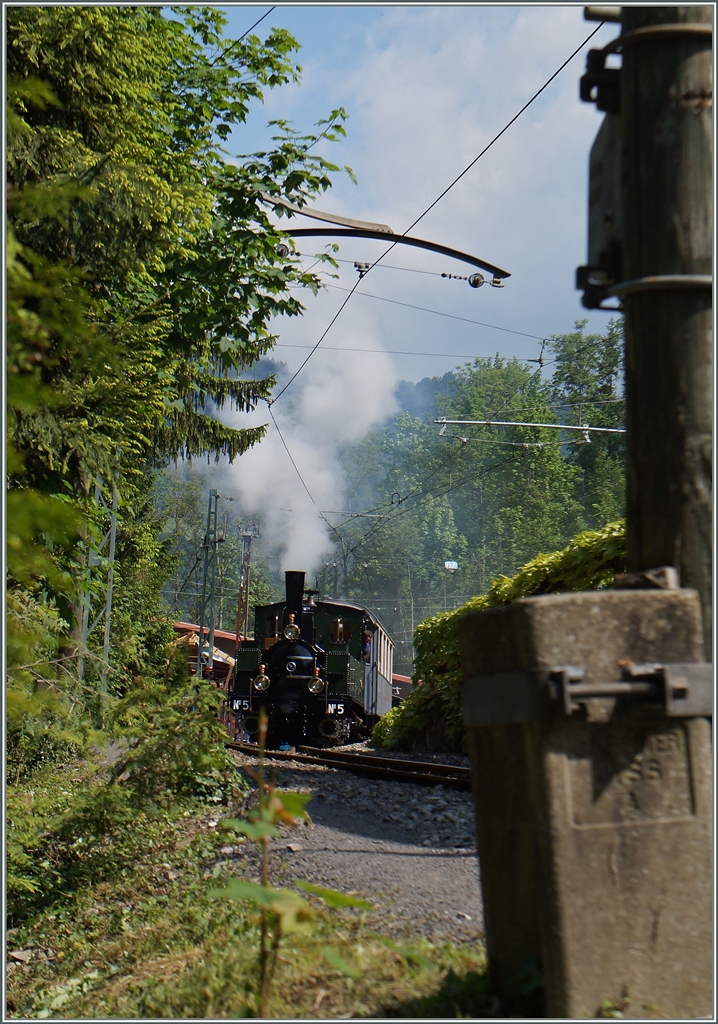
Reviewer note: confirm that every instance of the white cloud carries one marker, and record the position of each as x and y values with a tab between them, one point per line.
426	88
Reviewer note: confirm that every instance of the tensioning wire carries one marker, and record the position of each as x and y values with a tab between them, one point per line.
384	266
296	468
437	312
512	444
389	518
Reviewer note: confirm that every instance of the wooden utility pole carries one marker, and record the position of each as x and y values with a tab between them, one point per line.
666	161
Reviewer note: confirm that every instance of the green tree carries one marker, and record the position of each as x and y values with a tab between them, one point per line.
143	276
517	498
587	384
505	493
489	498
173	242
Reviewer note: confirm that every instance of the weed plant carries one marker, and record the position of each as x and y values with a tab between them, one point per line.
117	866
151	939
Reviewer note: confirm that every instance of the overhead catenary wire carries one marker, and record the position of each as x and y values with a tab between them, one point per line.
571	405
432	205
333	320
390	518
303	482
513	444
458	450
579	351
514	423
464	440
447	355
291	457
387	351
417	492
243	36
386	266
257	22
455	452
436	312
400	508
506	127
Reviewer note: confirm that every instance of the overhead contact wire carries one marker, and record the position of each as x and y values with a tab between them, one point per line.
433	204
504	129
437	312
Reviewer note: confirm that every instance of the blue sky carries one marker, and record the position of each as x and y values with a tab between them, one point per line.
426	87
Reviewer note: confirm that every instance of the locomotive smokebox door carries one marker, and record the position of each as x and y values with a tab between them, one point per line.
589	726
604	217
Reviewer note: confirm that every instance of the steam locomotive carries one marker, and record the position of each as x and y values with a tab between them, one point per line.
321	669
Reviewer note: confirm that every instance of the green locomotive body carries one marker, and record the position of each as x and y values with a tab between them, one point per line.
321	670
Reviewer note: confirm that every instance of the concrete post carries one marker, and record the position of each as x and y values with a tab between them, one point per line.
593	826
589	715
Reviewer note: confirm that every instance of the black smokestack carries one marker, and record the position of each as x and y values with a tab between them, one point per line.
295	593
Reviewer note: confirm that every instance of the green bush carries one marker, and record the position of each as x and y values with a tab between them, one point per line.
74	823
172	738
430	717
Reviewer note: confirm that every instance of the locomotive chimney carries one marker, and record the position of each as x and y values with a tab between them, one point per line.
295	593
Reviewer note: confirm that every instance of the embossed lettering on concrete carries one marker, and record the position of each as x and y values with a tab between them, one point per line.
625	777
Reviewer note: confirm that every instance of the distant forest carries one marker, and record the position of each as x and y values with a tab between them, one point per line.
489	498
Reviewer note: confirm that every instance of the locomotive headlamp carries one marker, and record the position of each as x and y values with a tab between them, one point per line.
261	682
315	684
291	631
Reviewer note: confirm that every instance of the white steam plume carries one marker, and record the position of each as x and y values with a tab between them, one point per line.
337	398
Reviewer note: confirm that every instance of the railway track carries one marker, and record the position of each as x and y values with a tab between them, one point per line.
419	772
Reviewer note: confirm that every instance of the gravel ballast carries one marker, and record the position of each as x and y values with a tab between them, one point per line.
408	849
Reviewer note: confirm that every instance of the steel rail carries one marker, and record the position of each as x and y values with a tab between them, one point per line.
419	772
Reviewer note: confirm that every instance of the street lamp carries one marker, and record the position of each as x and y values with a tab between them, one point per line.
451	566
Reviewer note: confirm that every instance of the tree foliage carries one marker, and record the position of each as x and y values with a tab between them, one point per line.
143	264
486	497
172	243
144	272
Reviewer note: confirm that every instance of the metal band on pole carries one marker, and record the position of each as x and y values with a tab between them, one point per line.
659	282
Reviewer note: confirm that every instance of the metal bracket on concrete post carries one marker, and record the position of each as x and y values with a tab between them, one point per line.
675	690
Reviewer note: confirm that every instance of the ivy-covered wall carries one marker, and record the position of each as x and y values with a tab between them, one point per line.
430	718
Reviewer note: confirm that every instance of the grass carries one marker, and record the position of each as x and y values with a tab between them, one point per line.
147	941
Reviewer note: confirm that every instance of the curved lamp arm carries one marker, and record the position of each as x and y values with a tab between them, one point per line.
419	243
